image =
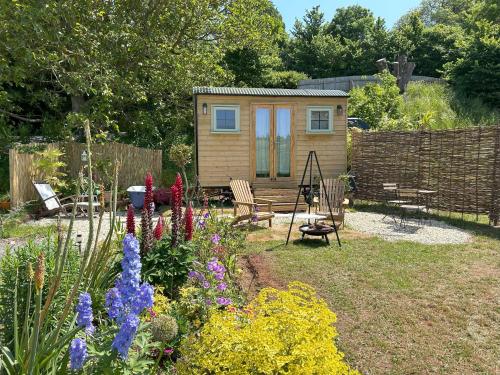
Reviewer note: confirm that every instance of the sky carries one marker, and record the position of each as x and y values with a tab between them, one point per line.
390	10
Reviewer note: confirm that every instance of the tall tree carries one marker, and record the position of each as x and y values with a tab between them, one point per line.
349	44
476	72
365	37
127	65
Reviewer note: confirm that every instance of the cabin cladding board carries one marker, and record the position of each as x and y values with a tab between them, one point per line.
222	156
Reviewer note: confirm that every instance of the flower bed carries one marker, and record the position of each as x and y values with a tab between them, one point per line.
164	299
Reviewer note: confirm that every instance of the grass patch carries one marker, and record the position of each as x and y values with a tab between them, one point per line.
13	225
402	307
26	231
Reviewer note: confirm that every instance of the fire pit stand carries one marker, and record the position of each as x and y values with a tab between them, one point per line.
315	229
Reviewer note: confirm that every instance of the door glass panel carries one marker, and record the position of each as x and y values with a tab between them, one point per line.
283	141
262	134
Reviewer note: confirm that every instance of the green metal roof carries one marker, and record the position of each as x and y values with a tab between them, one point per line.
249	91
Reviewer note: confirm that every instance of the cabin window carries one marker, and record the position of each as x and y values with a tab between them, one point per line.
319	119
226	118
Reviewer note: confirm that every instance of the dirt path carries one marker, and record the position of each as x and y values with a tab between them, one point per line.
257	274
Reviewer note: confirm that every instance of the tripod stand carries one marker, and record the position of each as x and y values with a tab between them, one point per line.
309	165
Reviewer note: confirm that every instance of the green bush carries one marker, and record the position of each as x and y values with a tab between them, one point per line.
16	263
168	266
375	101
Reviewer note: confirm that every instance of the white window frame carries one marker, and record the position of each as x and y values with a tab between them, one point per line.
236	108
330	119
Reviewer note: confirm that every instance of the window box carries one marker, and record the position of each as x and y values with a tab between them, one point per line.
225	118
319	119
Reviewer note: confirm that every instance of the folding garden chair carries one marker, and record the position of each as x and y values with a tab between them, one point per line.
53	204
410	197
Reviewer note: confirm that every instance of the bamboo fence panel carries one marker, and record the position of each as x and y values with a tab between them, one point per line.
135	162
462	165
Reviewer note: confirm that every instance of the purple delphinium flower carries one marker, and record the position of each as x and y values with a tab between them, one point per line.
114	303
125	336
222	287
206	284
84	315
77	353
201	224
206	215
223	301
144	299
215	239
131	269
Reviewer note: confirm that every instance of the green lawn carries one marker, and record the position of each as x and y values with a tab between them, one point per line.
402	307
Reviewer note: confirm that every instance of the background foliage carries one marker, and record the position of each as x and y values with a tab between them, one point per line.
130	66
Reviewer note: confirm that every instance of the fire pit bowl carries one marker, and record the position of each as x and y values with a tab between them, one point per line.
318	230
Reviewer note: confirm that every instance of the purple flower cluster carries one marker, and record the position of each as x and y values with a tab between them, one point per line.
213	278
222	287
215	239
129	297
217	268
84	316
255	217
223	301
77	353
125	336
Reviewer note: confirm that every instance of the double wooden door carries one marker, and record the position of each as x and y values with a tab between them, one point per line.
273	138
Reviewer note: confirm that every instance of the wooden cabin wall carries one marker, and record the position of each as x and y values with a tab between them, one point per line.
222	156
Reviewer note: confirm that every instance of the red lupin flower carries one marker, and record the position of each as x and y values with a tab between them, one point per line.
130	220
158	232
188	224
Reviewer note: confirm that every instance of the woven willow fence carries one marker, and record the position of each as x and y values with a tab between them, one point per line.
134	162
463	166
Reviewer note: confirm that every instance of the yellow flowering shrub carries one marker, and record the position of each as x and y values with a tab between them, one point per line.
279	332
162	304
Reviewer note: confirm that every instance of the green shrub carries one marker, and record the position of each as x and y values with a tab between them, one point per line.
15	263
49	165
376	100
168	266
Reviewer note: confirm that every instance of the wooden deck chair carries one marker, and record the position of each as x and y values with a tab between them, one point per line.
245	205
335	189
52	202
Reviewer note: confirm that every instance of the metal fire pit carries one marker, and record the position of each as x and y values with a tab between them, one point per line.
317	230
